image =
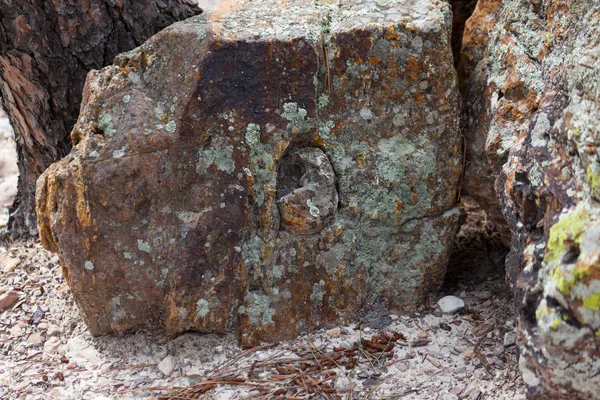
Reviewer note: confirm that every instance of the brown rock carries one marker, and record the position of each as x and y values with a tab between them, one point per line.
268	168
8	299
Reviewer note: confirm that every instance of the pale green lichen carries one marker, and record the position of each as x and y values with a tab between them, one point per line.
89	265
105	125
261	163
93	154
223	157
126	99
292	112
143	246
202	308
205	160
128	256
253	134
278	271
171	126
318	292
323	101
119	152
325	129
314	211
259	309
163	276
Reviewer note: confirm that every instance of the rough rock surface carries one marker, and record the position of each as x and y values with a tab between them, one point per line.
531	70
268	174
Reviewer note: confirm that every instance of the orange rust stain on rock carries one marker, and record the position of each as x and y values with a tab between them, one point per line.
374	61
412	68
391	34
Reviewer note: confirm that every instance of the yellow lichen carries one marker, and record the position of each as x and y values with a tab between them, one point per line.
571	227
592	302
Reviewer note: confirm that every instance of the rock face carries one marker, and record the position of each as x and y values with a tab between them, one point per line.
267	168
531	73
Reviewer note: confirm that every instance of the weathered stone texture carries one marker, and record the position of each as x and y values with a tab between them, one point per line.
268	167
533	69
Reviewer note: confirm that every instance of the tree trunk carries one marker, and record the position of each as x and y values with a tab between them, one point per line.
46	49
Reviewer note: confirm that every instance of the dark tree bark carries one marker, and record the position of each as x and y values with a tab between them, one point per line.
46	49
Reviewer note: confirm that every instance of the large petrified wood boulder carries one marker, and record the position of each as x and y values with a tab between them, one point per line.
268	167
533	71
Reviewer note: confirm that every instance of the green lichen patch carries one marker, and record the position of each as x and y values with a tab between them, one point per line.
570	227
593	178
261	164
592	302
566	280
171	126
259	309
105	125
202	308
224	159
143	246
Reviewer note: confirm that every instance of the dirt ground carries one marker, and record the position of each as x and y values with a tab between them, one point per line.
46	351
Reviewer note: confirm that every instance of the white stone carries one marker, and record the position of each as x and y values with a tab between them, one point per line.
167	365
509	339
450	304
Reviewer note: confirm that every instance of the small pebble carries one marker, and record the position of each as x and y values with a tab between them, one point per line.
335	332
394	317
8	299
509	339
445	326
486	303
167	365
450	304
10	264
423	335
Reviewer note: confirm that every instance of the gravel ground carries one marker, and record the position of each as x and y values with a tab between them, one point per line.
46	351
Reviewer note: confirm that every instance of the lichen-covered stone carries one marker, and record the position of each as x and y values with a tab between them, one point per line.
269	168
533	69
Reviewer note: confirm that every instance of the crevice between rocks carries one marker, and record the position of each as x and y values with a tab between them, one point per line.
478	253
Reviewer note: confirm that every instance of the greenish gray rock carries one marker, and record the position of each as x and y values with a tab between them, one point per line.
264	168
